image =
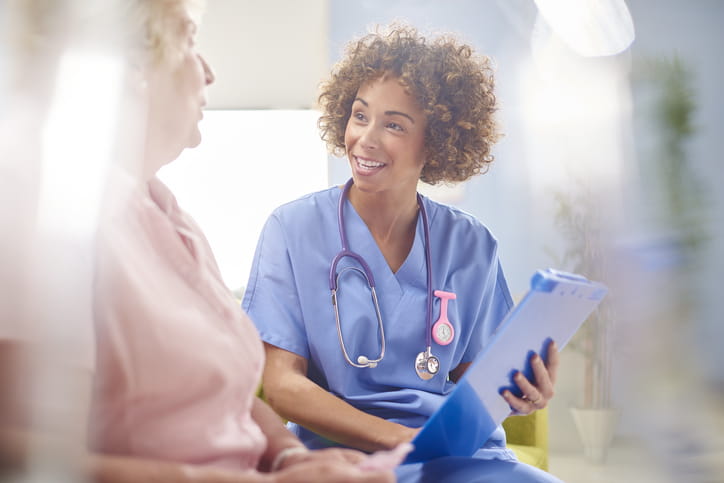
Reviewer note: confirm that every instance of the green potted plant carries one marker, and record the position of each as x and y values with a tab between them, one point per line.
578	220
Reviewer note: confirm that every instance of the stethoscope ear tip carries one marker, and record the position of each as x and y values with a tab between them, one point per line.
364	361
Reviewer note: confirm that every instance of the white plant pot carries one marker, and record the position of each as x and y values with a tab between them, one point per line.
595	428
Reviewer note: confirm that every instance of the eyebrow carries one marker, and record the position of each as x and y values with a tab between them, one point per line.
388	113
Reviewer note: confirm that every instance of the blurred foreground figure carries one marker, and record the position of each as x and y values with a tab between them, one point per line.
120	313
46	355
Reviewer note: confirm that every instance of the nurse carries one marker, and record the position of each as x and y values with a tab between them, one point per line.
417	286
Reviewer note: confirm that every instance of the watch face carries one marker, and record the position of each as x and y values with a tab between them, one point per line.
443	332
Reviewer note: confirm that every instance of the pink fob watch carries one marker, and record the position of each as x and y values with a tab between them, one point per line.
443	331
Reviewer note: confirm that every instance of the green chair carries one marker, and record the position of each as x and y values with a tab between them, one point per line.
528	438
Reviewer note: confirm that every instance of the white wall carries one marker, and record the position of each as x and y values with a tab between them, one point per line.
266	54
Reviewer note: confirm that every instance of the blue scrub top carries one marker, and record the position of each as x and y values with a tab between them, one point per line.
289	300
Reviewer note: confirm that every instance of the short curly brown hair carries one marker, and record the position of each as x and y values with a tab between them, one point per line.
452	85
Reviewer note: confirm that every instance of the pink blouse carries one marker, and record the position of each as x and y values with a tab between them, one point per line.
178	361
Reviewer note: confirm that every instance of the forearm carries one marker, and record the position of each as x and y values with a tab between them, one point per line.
459	371
298	399
112	469
16	448
278	436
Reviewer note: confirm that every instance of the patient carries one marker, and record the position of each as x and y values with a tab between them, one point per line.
178	363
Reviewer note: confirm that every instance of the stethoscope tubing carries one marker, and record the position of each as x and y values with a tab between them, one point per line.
380	325
367	273
428	264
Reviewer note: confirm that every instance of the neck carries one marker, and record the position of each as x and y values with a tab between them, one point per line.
155	157
390	217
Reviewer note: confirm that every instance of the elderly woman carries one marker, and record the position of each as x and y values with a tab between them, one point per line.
178	363
370	370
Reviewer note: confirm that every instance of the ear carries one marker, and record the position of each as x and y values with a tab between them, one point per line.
138	71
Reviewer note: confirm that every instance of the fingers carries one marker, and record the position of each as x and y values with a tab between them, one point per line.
518	405
386	460
338	454
554	360
535	396
531	401
330	471
352	456
543	385
530	392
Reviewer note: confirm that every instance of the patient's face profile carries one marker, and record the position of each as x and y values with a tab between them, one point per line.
177	94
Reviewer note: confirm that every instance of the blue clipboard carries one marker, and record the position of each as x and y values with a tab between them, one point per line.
553	309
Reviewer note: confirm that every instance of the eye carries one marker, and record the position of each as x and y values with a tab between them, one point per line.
359	116
395	127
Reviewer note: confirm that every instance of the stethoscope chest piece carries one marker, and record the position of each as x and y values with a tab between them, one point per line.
426	365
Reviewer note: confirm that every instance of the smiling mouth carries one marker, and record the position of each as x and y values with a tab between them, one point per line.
367	164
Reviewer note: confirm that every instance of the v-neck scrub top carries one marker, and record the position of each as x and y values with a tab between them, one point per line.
289	300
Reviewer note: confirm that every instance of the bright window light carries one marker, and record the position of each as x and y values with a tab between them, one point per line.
590	27
77	142
248	163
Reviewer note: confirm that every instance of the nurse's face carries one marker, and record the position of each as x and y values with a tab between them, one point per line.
385	137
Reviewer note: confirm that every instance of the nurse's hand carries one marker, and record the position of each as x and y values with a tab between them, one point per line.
537	393
402	434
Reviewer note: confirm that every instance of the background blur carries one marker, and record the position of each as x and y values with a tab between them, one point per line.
619	150
609	166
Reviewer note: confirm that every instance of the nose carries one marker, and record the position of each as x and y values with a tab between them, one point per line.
209	76
368	138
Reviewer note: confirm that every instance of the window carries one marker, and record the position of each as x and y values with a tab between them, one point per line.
248	163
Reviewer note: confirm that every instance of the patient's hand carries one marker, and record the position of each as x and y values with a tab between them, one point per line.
333	465
329	454
329	472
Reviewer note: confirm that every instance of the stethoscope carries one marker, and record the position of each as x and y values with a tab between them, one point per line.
426	364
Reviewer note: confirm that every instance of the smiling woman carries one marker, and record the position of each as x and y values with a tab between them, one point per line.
454	90
385	134
402	108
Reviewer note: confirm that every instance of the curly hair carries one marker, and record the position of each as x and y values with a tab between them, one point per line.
452	85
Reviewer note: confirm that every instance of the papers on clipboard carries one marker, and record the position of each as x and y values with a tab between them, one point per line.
553	309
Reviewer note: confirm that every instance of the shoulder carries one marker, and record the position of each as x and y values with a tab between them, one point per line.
446	220
134	229
130	212
312	207
125	202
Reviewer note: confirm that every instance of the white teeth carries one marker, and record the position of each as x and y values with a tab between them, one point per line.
369	164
